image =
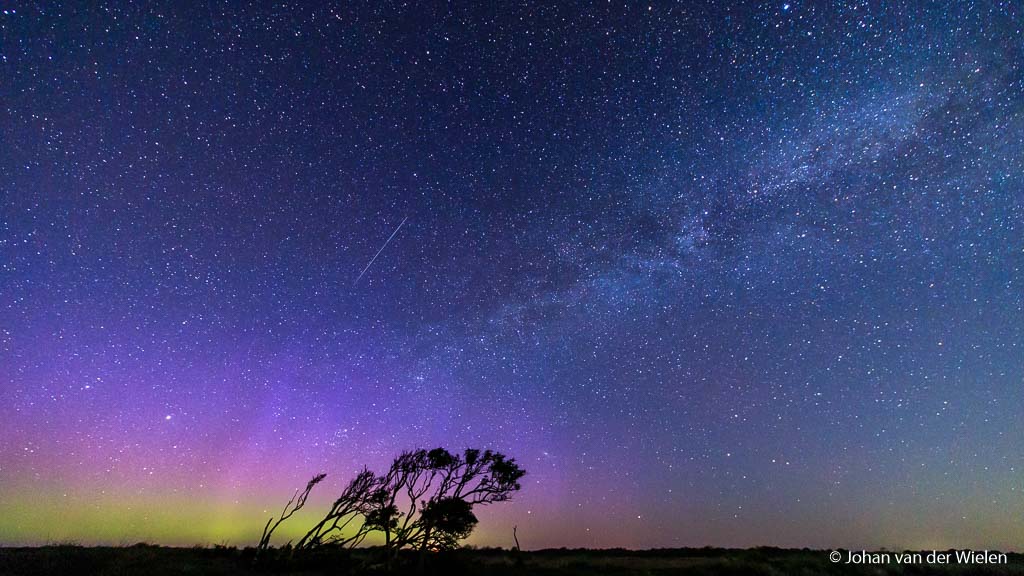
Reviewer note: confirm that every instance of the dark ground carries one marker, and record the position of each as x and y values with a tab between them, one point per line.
158	561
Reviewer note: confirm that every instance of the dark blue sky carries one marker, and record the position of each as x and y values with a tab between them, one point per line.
736	274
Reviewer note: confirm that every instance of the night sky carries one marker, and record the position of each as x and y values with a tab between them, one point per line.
715	273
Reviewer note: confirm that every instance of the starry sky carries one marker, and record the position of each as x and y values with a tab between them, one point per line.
718	273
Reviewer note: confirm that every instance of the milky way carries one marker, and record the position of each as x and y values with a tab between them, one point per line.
719	273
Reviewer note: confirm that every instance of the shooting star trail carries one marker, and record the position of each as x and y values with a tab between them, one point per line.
386	242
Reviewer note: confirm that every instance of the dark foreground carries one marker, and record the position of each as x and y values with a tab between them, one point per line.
158	561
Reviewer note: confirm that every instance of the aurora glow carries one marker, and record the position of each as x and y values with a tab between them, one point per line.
716	274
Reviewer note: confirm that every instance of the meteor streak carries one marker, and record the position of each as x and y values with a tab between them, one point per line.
386	242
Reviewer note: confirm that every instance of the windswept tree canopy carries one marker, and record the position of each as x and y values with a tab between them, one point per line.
424	501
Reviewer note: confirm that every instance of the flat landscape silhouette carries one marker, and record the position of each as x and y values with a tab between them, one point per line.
149	560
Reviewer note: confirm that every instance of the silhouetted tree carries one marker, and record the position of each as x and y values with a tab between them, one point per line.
423	502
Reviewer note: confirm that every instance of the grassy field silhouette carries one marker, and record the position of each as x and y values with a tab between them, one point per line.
152	560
